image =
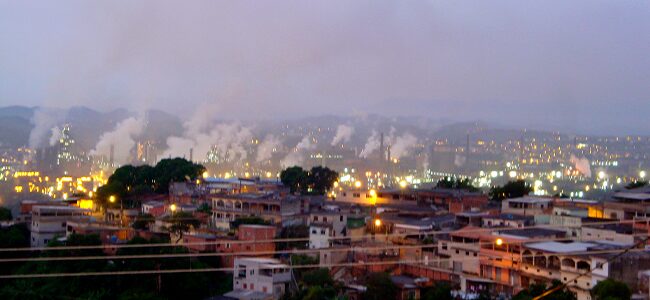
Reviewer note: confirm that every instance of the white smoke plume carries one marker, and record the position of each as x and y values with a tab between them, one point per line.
582	165
55	136
297	156
267	147
230	138
343	134
459	160
44	120
122	138
372	144
401	145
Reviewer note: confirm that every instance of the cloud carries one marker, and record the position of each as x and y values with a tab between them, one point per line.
343	134
296	156
45	120
273	60
372	144
269	145
122	138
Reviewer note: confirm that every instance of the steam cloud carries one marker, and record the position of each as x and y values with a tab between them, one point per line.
297	156
582	165
372	144
267	147
401	145
55	136
122	138
343	134
44	121
201	135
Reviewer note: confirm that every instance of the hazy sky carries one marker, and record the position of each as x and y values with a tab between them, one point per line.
571	65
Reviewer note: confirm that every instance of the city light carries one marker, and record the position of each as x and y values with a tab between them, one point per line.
357	184
111	199
642	174
499	242
173	207
377	222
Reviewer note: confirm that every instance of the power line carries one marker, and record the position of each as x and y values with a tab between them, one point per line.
273	252
320	265
288	240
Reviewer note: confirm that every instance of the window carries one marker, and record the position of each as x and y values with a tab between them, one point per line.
315	218
341	218
475	254
314	231
467	253
457	251
322	231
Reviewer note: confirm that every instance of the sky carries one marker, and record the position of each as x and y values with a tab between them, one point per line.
577	66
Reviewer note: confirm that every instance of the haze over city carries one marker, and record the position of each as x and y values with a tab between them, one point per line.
576	64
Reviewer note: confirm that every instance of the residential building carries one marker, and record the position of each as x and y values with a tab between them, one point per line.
49	222
259	278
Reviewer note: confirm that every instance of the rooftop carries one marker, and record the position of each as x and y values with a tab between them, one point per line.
530	199
509	217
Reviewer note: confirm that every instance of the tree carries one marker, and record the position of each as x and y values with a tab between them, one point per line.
293	232
535	290
512	189
440	291
5	214
182	222
379	286
128	182
456	183
143	221
320	180
316	181
610	289
295	178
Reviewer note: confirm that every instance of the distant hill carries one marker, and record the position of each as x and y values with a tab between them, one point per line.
87	125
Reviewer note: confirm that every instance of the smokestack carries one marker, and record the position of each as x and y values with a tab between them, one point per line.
191	154
382	154
388	153
111	155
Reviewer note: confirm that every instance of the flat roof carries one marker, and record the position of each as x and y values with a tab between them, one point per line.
632	196
509	217
557	247
529	199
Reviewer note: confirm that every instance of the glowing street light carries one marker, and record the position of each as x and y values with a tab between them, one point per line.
402	184
111	199
173	208
499	242
357	184
377	222
642	174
